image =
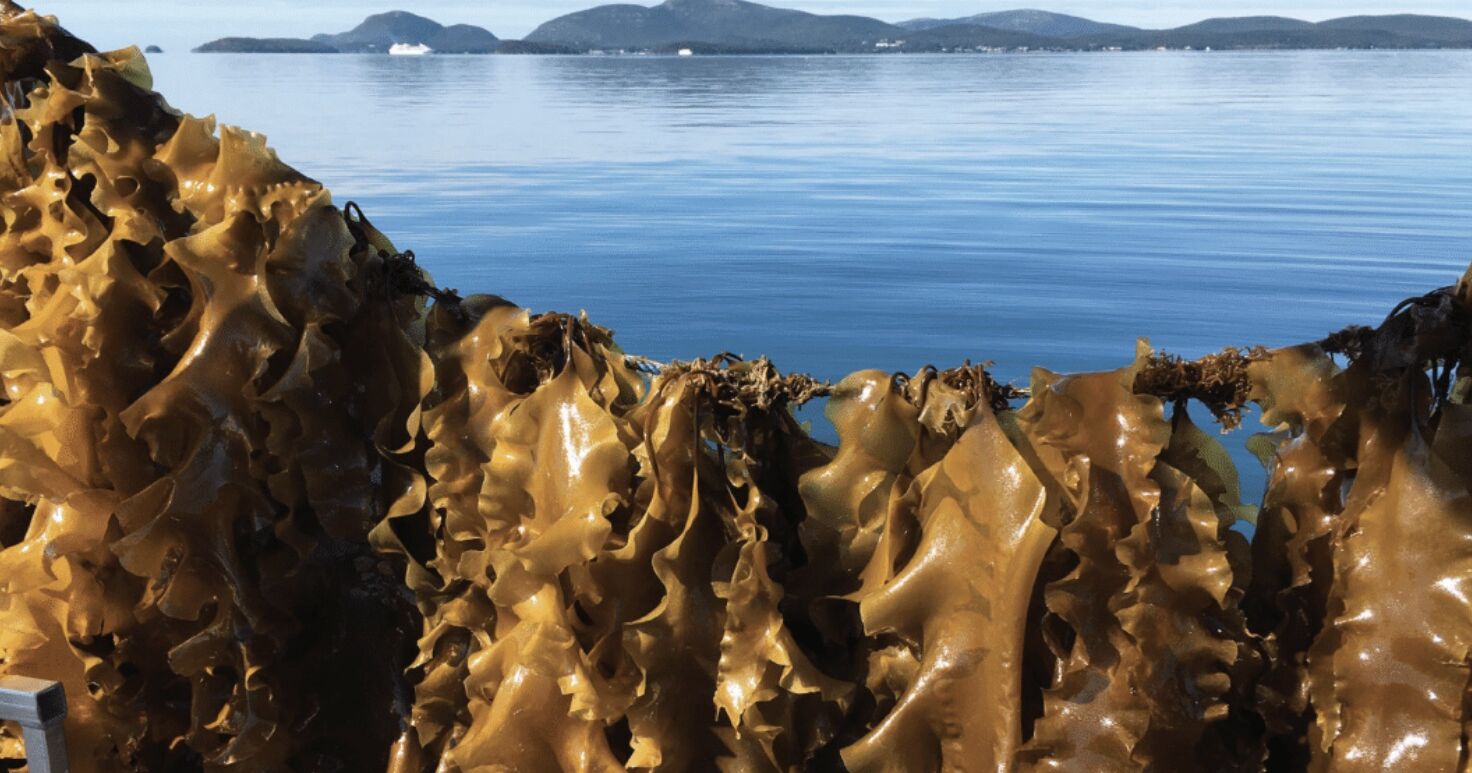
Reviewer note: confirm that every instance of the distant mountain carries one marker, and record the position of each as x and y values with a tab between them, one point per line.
464	39
738	26
729	23
742	27
1275	32
1245	24
1031	21
379	32
264	46
1251	32
375	35
1444	29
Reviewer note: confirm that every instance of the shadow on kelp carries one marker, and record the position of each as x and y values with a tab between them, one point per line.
266	507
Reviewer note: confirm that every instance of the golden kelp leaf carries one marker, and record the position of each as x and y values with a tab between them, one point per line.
235	173
521	719
759	657
1294	387
181	421
450	584
676	648
1100	440
1182	619
780	707
1190	542
1153	636
556	436
1181	610
522	407
1297	390
1301	392
1397	659
878	430
963	601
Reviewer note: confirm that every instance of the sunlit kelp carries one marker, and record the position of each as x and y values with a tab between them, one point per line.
271	501
961	601
195	466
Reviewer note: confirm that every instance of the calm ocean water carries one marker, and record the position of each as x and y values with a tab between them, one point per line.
838	213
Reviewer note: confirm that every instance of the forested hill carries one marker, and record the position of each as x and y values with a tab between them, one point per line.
738	26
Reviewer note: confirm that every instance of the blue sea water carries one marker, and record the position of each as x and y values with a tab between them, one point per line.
839	213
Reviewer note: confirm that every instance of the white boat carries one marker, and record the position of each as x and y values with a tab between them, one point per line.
686	52
404	49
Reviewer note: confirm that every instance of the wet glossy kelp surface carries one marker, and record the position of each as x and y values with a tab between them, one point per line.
274	502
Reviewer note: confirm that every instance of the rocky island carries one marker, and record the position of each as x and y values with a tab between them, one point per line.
376	35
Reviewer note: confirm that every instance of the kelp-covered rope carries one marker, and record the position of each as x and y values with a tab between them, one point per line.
270	500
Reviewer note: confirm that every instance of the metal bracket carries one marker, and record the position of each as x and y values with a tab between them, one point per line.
39	707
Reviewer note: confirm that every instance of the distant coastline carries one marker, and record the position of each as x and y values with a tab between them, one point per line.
737	27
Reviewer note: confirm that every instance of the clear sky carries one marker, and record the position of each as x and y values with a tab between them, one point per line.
183	24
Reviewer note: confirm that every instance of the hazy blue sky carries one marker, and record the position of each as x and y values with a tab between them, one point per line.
180	24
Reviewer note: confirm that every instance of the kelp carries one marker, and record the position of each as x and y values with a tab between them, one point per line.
194	467
955	605
270	500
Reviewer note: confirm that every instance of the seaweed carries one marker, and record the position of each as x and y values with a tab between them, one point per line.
1219	381
273	500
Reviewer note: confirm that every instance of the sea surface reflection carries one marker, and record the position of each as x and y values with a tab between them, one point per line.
838	213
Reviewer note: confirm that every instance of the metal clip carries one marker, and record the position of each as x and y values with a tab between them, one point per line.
39	707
